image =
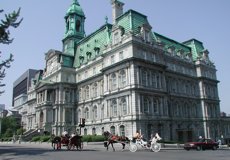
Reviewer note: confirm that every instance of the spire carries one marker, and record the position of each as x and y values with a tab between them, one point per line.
76	2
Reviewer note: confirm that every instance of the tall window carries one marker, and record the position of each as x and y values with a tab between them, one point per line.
114	108
95	112
116	38
144	78
87	113
87	92
94	131
113	81
102	112
122	78
95	90
112	130
147	104
122	130
124	106
155	106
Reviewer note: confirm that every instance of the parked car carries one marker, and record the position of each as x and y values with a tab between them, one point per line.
201	144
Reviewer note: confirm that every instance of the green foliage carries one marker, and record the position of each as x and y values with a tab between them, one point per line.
45	138
9	126
36	139
93	138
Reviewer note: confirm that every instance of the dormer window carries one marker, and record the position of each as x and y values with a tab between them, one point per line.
116	38
81	58
88	55
145	32
97	50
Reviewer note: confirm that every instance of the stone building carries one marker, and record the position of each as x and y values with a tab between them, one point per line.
125	77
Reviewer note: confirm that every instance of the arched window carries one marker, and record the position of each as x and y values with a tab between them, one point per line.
102	130
123	104
147	104
93	131
87	113
113	81
85	131
155	106
87	92
102	112
114	108
95	90
78	25
95	112
112	130
122	130
144	78
122	78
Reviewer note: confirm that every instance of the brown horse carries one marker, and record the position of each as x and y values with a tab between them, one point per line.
111	139
75	141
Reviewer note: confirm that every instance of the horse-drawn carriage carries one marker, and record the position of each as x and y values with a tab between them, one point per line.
151	145
70	142
133	145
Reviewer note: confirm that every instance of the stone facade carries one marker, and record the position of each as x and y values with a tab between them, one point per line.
124	77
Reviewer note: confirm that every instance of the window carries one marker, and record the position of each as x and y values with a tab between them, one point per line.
102	112
112	130
95	112
87	92
80	95
93	131
87	113
122	79
122	130
144	78
78	25
147	104
114	108
95	90
116	38
79	115
124	106
155	106
113	81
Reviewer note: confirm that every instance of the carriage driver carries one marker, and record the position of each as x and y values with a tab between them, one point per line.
137	136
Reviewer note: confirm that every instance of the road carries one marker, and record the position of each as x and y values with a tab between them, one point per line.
95	152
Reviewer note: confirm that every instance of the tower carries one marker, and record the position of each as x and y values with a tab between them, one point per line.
74	32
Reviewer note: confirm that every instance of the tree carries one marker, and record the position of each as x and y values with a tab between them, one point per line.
9	126
11	20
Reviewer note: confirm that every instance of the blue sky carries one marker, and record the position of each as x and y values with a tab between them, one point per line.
43	29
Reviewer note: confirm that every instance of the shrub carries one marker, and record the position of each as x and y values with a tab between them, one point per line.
93	138
45	138
36	139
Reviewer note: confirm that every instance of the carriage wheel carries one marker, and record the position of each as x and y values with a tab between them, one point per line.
132	147
156	147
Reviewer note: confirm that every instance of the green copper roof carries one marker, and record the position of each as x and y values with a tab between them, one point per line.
92	45
172	43
75	8
196	46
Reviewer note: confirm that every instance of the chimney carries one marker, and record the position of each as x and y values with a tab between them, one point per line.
117	9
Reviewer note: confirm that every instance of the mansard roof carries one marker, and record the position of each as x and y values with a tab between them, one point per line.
91	44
